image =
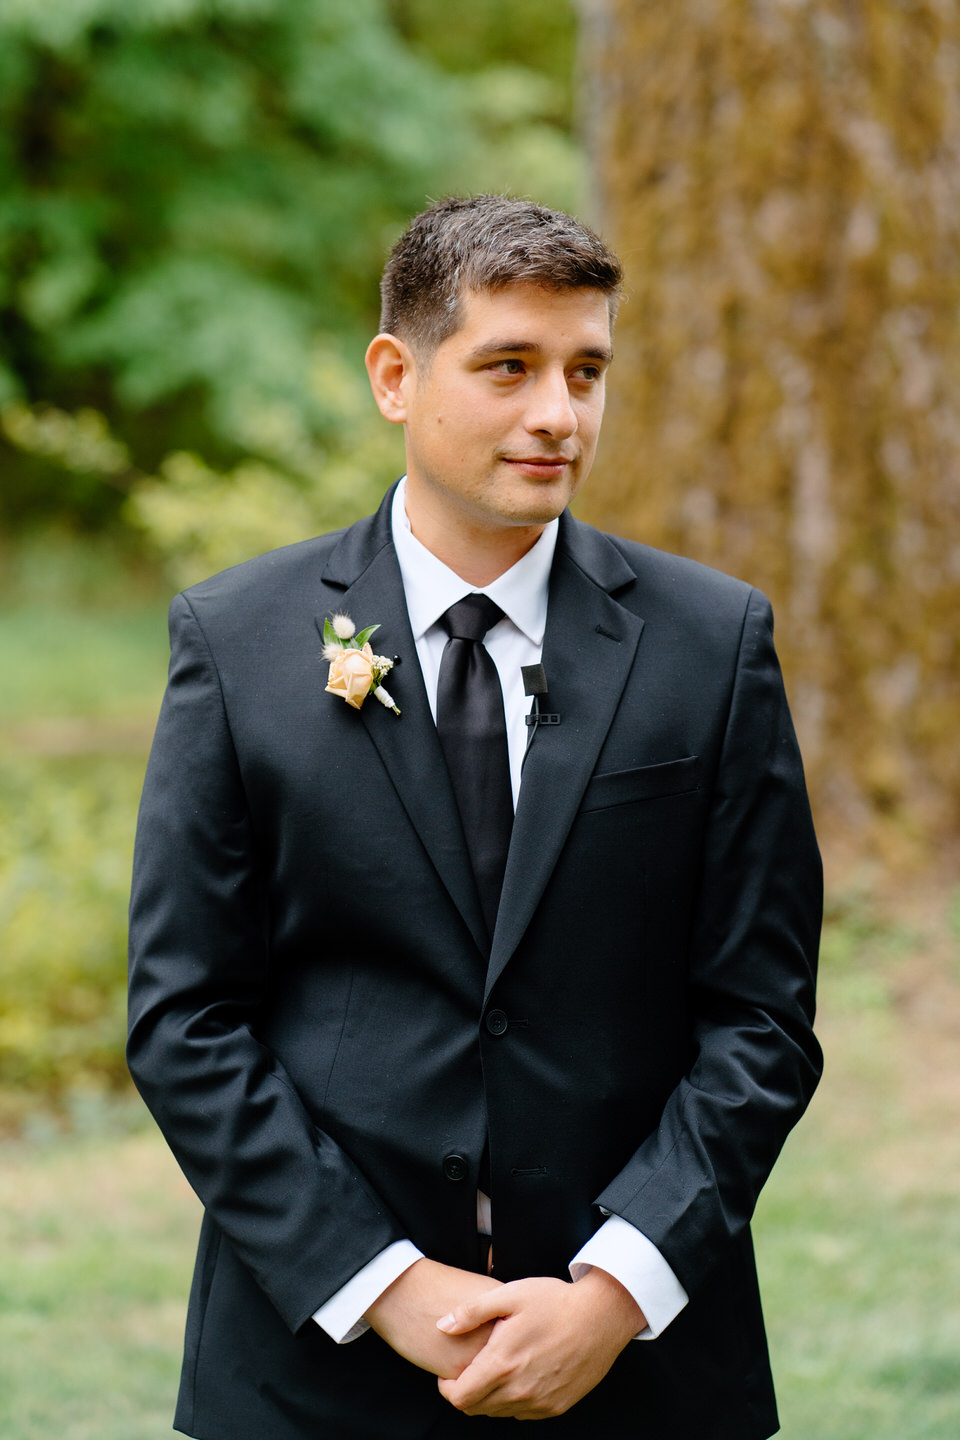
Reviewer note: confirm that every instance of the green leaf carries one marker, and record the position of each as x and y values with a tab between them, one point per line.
361	638
330	636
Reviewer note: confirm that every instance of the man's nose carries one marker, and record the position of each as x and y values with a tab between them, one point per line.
551	410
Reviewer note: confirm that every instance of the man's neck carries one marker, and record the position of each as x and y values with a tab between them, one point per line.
476	553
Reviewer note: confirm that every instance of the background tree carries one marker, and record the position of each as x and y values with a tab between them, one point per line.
783	181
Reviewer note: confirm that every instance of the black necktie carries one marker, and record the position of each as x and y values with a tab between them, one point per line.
473	737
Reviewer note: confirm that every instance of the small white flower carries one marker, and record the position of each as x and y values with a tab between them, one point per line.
344	627
331	651
382	664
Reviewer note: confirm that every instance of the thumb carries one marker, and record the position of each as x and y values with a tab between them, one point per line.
466	1317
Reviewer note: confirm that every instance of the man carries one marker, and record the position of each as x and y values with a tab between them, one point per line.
427	1064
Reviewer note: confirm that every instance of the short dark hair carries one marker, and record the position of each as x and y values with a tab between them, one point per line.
483	243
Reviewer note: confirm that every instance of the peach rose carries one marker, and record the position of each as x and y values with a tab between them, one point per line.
351	675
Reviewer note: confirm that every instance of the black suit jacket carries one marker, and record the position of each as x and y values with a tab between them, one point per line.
311	992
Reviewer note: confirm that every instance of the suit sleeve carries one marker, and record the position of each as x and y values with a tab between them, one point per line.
294	1208
693	1185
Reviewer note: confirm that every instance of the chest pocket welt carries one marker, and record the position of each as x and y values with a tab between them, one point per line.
622	787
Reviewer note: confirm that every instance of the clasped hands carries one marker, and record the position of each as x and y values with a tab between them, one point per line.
529	1349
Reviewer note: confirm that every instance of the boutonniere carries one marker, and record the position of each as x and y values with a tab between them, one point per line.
354	669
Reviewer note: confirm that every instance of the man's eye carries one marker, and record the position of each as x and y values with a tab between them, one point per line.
589	372
509	367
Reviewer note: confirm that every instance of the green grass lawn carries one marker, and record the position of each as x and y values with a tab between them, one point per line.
96	1234
858	1238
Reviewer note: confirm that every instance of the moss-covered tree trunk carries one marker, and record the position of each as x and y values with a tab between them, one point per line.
782	179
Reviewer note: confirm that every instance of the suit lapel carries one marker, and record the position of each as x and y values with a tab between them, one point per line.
588	650
365	564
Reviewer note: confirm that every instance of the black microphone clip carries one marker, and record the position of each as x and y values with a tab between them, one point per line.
535	684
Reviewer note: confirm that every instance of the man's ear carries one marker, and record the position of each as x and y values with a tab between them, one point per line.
391	368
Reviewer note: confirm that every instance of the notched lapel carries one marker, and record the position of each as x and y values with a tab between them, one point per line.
407	744
589	647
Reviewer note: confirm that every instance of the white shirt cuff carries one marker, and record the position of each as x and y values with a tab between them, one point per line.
342	1315
625	1253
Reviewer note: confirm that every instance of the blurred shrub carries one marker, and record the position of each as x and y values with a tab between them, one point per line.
66	836
196	196
80	442
192	192
54	568
199	520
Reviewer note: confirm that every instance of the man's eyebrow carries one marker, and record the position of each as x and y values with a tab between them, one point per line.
528	347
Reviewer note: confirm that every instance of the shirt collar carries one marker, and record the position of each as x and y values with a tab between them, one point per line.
430	587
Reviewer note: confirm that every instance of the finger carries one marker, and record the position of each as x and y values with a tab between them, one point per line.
489	1306
477	1382
476	1393
496	1405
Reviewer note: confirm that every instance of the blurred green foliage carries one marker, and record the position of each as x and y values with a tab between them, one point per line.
83	641
862	949
65	846
83	654
197	198
198	520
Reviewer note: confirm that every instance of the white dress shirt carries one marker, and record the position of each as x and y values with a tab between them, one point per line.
430	588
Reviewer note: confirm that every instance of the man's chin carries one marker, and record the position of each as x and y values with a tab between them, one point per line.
536	503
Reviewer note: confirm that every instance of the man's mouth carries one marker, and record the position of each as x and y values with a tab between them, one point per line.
544	466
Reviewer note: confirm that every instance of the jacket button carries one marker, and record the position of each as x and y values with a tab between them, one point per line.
496	1022
455	1167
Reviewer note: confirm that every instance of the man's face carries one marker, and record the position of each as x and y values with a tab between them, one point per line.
502	424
